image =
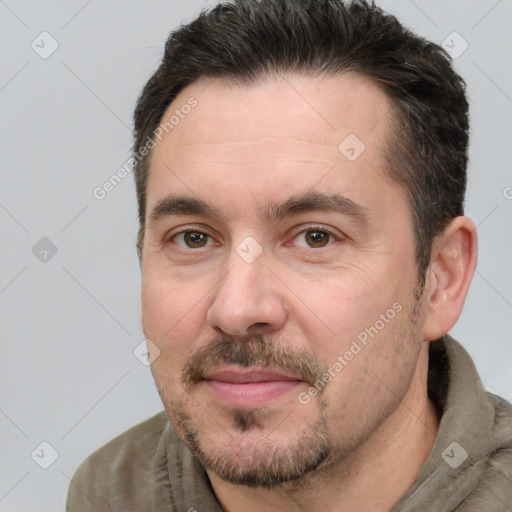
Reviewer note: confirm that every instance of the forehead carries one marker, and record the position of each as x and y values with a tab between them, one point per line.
298	106
273	136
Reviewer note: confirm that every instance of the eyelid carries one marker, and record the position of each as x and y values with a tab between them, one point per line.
186	229
200	228
337	235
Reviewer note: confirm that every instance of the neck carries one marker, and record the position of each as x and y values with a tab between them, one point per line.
374	477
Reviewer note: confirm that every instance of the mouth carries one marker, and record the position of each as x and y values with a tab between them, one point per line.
249	387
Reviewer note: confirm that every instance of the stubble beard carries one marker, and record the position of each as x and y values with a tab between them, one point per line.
262	462
252	454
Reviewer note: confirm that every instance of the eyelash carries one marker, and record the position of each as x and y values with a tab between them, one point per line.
187	230
322	229
309	228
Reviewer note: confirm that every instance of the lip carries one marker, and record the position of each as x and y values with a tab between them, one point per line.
249	387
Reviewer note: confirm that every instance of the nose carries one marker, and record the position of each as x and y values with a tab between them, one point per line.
248	300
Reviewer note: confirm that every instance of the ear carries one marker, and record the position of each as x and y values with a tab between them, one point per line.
452	264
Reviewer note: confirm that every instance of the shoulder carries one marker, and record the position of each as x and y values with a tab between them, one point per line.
493	488
134	445
111	473
502	430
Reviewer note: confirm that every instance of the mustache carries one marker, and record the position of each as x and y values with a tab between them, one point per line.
260	351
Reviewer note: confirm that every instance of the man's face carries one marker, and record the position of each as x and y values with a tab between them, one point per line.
277	254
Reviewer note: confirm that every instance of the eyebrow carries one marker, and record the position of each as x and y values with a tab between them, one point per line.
296	205
181	205
315	201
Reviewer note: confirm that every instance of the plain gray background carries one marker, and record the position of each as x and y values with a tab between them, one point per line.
70	323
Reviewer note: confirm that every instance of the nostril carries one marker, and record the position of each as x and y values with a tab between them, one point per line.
259	327
258	324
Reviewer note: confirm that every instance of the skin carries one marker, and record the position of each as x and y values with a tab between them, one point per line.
240	149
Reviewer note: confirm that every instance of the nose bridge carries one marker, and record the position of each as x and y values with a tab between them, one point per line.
246	298
241	281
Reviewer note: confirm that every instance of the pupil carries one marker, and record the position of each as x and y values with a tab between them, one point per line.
317	238
195	238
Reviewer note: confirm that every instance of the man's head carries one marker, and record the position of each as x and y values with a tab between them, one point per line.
426	151
289	215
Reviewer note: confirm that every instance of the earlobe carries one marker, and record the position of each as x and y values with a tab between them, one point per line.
452	265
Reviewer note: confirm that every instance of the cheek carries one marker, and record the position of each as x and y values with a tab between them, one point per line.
172	317
346	305
379	354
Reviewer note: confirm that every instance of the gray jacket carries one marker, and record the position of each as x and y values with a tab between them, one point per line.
148	469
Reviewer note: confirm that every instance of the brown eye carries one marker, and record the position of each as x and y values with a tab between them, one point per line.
191	240
194	239
317	239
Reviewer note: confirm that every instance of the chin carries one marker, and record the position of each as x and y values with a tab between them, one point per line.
252	454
